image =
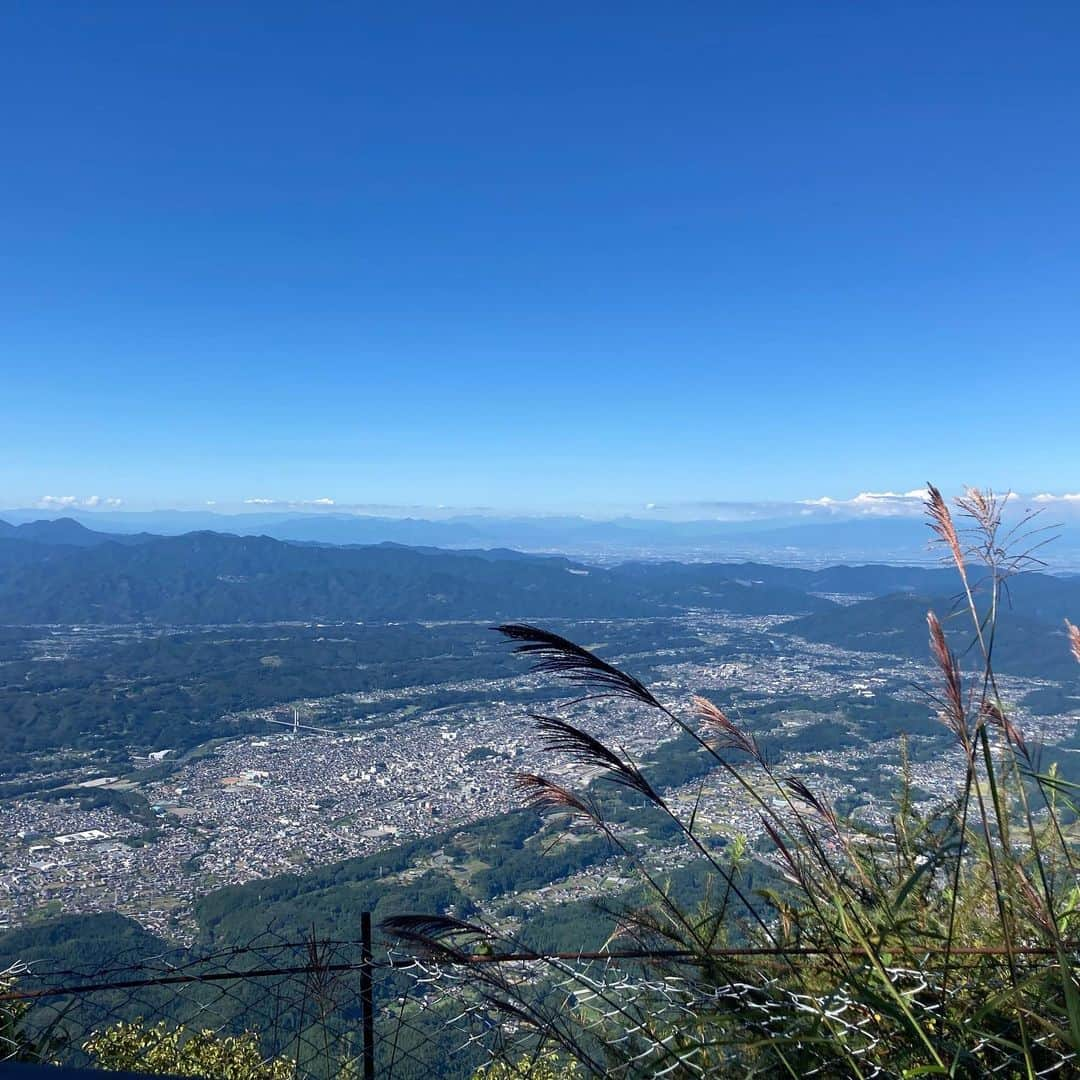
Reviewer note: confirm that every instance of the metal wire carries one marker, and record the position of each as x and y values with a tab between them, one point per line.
630	1014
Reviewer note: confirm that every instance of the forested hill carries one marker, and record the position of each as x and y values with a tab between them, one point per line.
202	578
67	532
206	578
1031	637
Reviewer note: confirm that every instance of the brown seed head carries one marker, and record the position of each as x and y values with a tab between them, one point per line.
941	522
542	794
726	734
954	714
999	718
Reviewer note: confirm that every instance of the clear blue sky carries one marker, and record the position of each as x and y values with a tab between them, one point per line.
521	255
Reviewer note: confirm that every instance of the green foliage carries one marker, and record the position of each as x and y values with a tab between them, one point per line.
181	688
143	693
16	1043
80	942
512	854
130	804
543	1067
175	1051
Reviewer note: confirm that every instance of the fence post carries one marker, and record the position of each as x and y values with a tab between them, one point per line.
367	999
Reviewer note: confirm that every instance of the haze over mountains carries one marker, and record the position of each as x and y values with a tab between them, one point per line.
812	536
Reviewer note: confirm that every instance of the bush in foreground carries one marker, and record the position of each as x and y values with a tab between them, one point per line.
163	1049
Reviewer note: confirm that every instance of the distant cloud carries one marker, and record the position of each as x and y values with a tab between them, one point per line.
324	504
290	504
77	502
910	503
888	503
722	510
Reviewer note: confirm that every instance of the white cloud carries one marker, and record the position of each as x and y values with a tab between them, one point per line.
870	498
910	503
291	504
76	502
891	503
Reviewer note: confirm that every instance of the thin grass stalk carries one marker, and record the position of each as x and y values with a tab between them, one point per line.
564	658
805	829
879	969
706	708
569	800
943	524
630	776
987	641
612	676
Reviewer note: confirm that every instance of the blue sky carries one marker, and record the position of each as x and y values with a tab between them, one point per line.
507	256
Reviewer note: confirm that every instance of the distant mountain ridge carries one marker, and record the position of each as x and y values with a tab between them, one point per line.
61	572
811	538
66	531
207	577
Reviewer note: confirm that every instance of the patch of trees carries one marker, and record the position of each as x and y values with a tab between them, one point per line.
173	689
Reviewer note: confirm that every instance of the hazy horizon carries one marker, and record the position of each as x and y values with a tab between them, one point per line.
872	528
864	505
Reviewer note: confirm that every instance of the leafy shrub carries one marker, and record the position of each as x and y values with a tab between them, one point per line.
543	1067
174	1051
15	1044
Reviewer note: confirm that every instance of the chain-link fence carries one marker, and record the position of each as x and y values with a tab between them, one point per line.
309	1008
316	1009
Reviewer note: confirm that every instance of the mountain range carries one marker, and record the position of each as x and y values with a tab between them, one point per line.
61	572
813	540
